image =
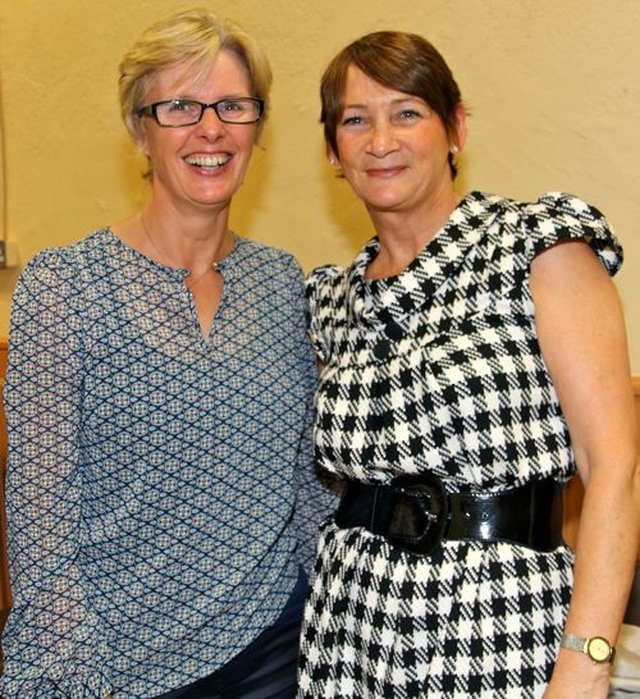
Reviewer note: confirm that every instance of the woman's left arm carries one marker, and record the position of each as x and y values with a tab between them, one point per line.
583	341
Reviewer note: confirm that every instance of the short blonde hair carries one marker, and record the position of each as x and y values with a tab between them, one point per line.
193	38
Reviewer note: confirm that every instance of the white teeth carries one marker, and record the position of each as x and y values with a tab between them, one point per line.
207	160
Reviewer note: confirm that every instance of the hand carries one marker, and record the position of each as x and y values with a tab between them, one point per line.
578	679
560	690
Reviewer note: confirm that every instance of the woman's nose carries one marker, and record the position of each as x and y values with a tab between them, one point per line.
210	121
382	139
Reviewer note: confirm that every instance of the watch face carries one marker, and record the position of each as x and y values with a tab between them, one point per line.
599	649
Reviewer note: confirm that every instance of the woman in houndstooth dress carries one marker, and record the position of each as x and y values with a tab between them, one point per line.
478	339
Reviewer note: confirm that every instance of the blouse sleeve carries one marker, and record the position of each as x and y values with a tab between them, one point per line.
52	638
558	217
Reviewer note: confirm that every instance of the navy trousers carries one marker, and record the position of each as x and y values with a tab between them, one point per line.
265	669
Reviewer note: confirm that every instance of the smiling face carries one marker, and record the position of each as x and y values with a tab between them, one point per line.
392	148
202	165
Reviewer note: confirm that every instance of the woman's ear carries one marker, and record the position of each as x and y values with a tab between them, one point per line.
142	144
139	136
459	137
332	157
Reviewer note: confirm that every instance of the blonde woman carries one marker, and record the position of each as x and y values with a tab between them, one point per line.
159	396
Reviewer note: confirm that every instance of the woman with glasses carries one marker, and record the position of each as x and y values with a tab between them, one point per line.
474	360
160	495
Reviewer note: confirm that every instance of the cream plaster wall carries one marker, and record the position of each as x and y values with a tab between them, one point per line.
553	87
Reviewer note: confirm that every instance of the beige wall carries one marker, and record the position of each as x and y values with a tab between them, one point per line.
553	87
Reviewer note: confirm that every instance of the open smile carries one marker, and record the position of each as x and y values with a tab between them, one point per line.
208	161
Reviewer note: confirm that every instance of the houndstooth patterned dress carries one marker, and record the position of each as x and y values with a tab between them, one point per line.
439	370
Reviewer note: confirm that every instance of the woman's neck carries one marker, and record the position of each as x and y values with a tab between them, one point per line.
187	242
403	235
190	241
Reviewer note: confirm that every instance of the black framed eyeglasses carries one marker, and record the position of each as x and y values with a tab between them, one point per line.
179	112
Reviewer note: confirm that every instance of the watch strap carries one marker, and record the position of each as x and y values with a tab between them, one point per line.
572	642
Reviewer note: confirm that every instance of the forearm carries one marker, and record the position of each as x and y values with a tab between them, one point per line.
52	624
606	552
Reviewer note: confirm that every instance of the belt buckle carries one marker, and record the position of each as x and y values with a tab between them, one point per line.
419	514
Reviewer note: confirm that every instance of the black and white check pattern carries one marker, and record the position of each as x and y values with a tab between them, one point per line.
439	370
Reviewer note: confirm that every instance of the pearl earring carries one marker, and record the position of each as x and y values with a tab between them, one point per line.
454	149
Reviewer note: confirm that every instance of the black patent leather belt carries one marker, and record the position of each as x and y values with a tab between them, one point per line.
416	513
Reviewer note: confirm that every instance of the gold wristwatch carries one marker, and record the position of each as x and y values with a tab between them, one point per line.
598	649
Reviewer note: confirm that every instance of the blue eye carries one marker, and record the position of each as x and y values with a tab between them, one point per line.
407	115
179	106
352	120
410	115
232	106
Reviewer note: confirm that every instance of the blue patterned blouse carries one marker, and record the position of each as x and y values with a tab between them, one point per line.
152	473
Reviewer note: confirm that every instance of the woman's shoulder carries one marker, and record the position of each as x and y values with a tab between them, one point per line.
67	259
554	217
325	274
258	255
561	207
549	206
253	248
558	217
326	284
332	281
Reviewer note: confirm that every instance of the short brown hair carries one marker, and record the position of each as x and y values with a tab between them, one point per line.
398	60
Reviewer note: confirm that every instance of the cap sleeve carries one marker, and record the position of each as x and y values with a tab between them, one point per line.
558	217
324	294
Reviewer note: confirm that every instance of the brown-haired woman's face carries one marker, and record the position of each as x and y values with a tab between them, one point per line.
392	147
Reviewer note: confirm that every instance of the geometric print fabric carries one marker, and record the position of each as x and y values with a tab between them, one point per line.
439	370
152	472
